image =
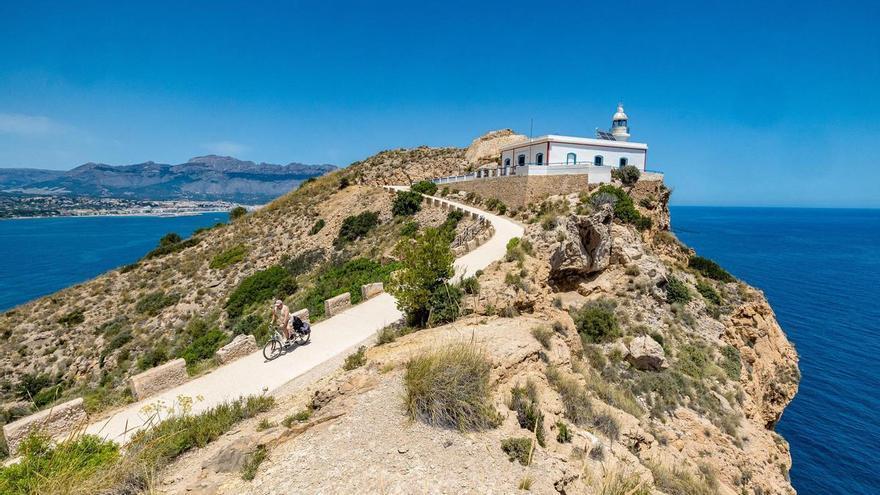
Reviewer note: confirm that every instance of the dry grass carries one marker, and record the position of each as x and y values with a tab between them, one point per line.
678	481
450	388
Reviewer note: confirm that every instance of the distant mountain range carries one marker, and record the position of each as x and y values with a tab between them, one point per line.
208	178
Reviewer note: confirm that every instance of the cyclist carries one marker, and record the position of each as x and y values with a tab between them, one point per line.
281	317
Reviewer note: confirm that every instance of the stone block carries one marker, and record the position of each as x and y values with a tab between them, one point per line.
155	380
338	304
57	422
303	315
372	290
241	346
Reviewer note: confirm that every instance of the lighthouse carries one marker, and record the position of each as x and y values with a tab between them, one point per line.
620	124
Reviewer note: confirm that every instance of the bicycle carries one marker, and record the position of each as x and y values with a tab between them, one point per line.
277	343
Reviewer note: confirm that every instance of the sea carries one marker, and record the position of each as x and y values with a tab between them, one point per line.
819	268
39	256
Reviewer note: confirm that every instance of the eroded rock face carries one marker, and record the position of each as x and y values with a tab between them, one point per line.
487	148
585	247
646	354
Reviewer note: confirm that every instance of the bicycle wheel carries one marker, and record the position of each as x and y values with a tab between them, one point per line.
304	338
272	349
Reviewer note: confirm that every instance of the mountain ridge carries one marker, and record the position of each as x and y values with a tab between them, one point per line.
208	177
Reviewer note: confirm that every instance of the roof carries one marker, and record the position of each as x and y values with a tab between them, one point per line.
576	140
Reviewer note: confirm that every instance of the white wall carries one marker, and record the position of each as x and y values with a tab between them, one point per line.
529	150
586	153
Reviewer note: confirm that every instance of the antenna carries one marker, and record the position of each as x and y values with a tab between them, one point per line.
531	127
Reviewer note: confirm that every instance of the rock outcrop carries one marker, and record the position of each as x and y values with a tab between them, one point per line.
584	248
487	148
646	354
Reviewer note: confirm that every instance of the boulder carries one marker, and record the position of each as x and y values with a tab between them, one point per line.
646	354
487	148
585	247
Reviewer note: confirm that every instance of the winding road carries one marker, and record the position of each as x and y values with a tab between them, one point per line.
332	340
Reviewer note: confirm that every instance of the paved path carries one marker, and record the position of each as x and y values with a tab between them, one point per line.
332	339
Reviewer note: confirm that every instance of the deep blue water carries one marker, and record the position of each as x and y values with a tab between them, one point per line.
39	256
820	269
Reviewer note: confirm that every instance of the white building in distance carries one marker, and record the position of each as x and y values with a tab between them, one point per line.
568	155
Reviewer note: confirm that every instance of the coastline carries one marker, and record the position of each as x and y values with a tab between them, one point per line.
131	214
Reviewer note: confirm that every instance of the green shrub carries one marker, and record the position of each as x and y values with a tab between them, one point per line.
153	303
731	362
409	229
299	417
252	462
447	228
355	227
273	282
335	279
48	395
420	286
563	434
48	468
169	239
303	262
444	305
424	187
624	209
528	412
710	269
343	183
694	360
628	174
444	192
595	322
406	203
517	449
237	212
493	204
171	243
450	388
470	285
319	224
229	257
73	318
709	293
30	385
204	346
677	291
153	357
252	324
355	360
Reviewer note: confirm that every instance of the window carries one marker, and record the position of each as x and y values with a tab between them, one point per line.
539	158
597	160
521	160
623	162
571	159
507	162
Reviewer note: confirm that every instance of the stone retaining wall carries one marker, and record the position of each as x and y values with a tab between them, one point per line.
58	421
519	191
241	346
372	290
163	377
336	305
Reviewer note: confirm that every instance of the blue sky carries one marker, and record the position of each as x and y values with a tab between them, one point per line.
741	103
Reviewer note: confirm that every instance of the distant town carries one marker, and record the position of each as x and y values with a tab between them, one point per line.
16	206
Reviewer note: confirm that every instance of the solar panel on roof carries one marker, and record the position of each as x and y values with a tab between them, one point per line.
605	135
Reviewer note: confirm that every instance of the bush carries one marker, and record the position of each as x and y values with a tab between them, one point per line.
494	204
409	229
444	305
595	322
406	203
336	279
169	239
576	403
731	362
517	449
153	303
169	248
677	291
204	346
694	360
229	257
73	318
709	293
48	468
624	209
421	284
710	269
319	224
300	417
252	324
424	187
677	481
563	434
237	212
528	412
470	285
343	183
355	227
628	174
303	262
153	357
252	462
355	360
273	282
450	388
543	335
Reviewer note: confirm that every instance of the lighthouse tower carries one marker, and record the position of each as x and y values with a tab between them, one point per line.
620	124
